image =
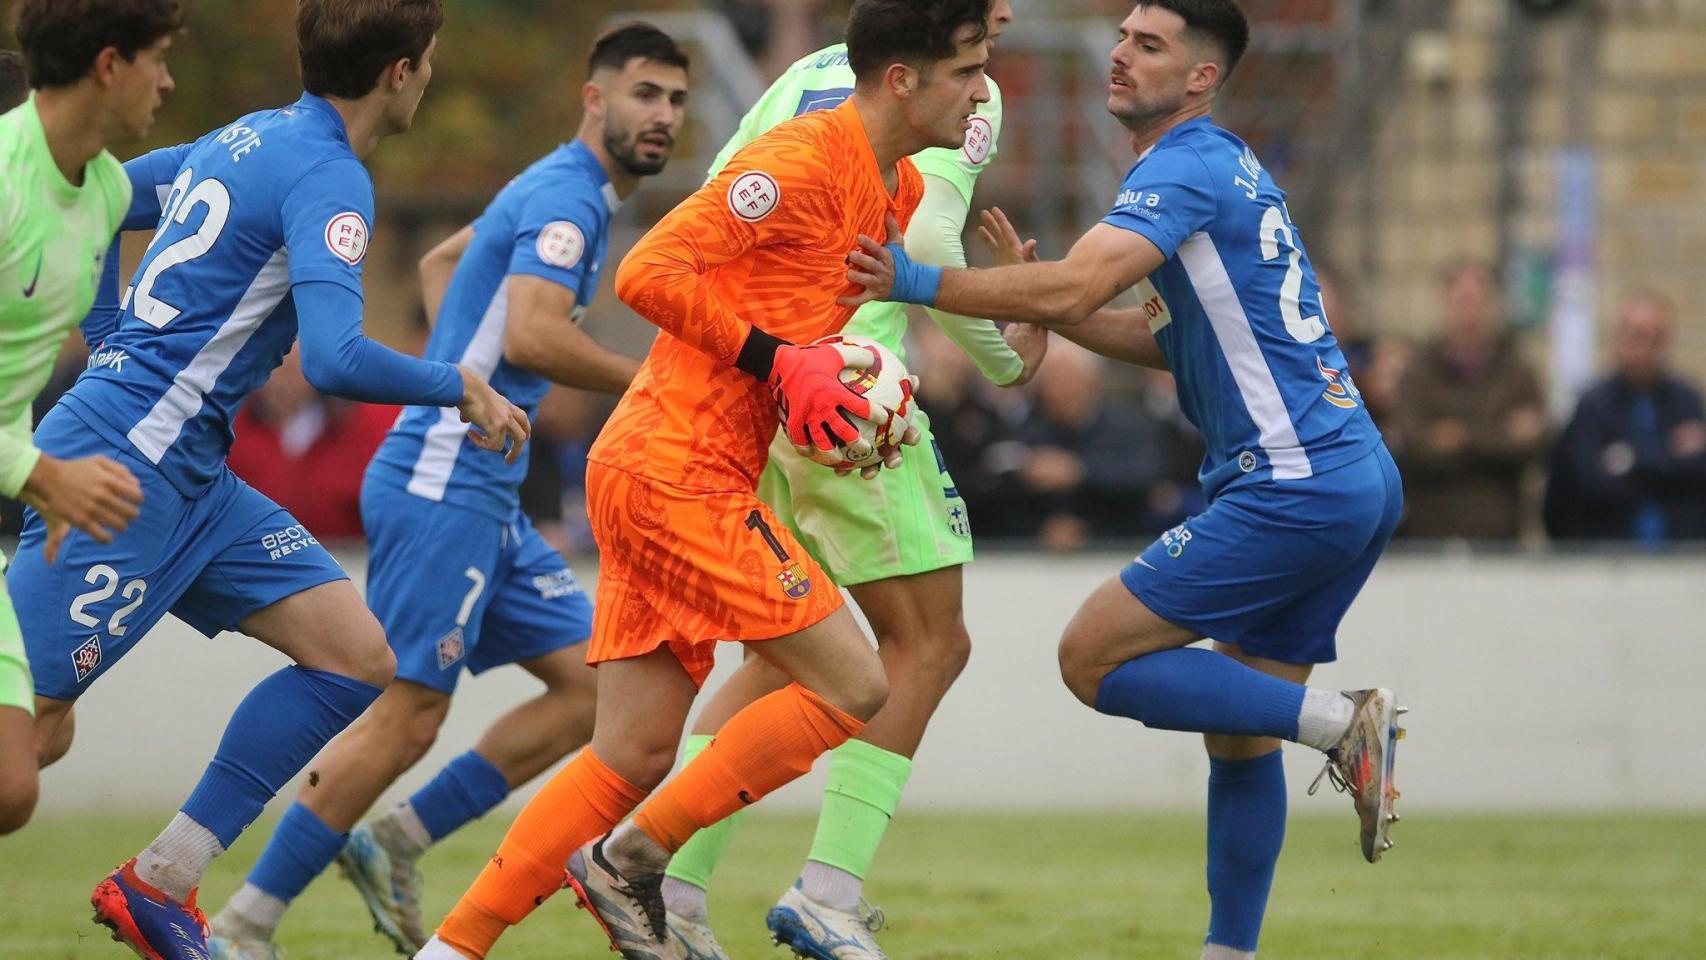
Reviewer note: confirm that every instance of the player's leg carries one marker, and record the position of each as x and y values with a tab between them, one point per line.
348	776
837	683
266	576
1246	824
18	781
642	705
689	874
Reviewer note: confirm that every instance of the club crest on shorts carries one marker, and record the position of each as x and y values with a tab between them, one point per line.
794	582
450	649
87	657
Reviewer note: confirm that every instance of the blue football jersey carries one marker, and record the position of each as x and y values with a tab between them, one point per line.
553	222
1257	367
245	213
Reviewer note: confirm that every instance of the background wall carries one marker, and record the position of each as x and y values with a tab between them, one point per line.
1551	683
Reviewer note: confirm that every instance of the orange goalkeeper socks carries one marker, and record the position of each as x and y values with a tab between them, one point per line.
771	742
583	801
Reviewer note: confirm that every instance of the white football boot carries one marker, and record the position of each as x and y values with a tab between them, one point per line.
1361	765
819	932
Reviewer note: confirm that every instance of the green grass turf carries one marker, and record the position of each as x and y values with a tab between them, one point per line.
1065	886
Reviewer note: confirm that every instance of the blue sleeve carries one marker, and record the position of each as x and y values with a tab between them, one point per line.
558	231
327	217
103	315
1167	197
338	359
151	177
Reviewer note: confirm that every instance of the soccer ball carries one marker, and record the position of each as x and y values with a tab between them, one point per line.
886	384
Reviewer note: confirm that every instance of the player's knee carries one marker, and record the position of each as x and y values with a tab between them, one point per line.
18	792
645	765
949	652
1079	668
55	727
864	694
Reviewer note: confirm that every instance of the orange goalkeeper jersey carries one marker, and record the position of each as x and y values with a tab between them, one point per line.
764	244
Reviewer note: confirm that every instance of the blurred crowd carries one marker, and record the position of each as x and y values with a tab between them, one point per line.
1096	452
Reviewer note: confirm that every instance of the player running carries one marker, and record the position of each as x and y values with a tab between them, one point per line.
689	555
1302	493
458	576
897	543
263	226
100	72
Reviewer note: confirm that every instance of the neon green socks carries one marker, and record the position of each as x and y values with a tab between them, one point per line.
863	791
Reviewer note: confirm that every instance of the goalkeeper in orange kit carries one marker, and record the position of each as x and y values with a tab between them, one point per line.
739	276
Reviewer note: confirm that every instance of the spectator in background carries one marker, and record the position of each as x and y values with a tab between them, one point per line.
1469	421
776	32
1631	465
1089	461
308	452
14	87
973	433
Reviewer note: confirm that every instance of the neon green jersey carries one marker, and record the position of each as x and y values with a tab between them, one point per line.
53	240
822	80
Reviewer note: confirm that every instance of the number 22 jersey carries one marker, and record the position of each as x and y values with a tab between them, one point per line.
1258	370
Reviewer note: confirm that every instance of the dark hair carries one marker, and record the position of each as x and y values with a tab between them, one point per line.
636	40
344	44
13	88
914	32
1221	22
62	38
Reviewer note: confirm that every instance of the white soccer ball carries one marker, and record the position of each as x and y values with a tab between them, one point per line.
887	385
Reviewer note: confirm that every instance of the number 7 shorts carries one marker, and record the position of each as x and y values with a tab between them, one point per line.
687	568
210	560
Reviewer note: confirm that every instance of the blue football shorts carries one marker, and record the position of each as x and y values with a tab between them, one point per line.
210	560
456	588
1272	567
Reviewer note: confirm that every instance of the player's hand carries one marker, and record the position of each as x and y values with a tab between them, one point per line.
900	432
1003	241
886	272
96	495
806	382
497	424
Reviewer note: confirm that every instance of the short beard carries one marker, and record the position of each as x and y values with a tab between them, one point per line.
1142	117
621	149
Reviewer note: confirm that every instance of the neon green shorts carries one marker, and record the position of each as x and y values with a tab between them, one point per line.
906	521
17	689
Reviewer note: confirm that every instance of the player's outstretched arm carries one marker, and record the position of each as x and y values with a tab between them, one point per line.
1103	264
1114	333
339	360
933	237
438	266
542	337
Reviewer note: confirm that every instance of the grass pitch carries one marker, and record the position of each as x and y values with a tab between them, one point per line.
1048	886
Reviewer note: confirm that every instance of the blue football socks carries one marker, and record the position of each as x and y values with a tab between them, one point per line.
301	848
465	790
275	731
1201	691
1246	828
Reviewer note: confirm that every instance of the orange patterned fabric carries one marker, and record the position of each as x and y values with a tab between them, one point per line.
764	244
687	568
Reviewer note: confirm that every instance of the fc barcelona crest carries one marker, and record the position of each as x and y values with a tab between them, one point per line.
794	582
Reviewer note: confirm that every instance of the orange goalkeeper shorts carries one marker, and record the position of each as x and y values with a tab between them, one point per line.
688	568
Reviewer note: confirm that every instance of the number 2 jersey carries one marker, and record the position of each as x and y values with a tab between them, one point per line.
272	202
1258	369
552	222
